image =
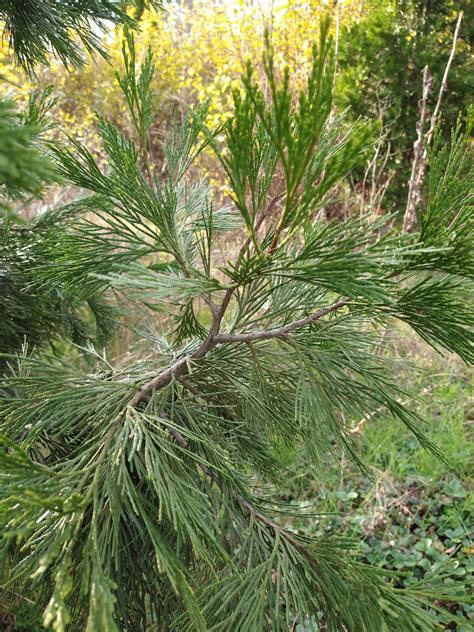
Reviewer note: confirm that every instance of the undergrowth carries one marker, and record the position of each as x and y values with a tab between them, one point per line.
412	513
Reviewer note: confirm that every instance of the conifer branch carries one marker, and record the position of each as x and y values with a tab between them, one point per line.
131	487
281	332
247	507
181	367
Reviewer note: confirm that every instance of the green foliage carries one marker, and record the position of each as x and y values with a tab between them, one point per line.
305	142
34	313
36	28
381	60
145	493
413	515
450	191
137	89
24	168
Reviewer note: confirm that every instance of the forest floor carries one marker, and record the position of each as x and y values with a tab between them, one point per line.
413	514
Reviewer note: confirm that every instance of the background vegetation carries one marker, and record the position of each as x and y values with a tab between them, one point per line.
201	47
412	512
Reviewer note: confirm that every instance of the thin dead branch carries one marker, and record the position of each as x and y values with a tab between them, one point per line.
410	219
444	83
423	140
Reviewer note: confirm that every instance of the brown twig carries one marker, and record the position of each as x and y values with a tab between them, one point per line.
280	332
181	367
417	170
424	140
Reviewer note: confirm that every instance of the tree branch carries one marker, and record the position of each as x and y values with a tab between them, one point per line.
280	332
417	170
423	141
444	82
247	507
181	367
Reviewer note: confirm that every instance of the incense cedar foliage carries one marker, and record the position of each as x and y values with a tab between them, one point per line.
147	496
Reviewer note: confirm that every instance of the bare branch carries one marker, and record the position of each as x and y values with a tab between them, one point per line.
444	82
417	169
181	367
423	140
281	332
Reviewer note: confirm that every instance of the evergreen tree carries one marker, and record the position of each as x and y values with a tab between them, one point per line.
36	28
31	314
145	494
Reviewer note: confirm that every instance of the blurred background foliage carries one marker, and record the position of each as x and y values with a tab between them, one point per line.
381	62
200	48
